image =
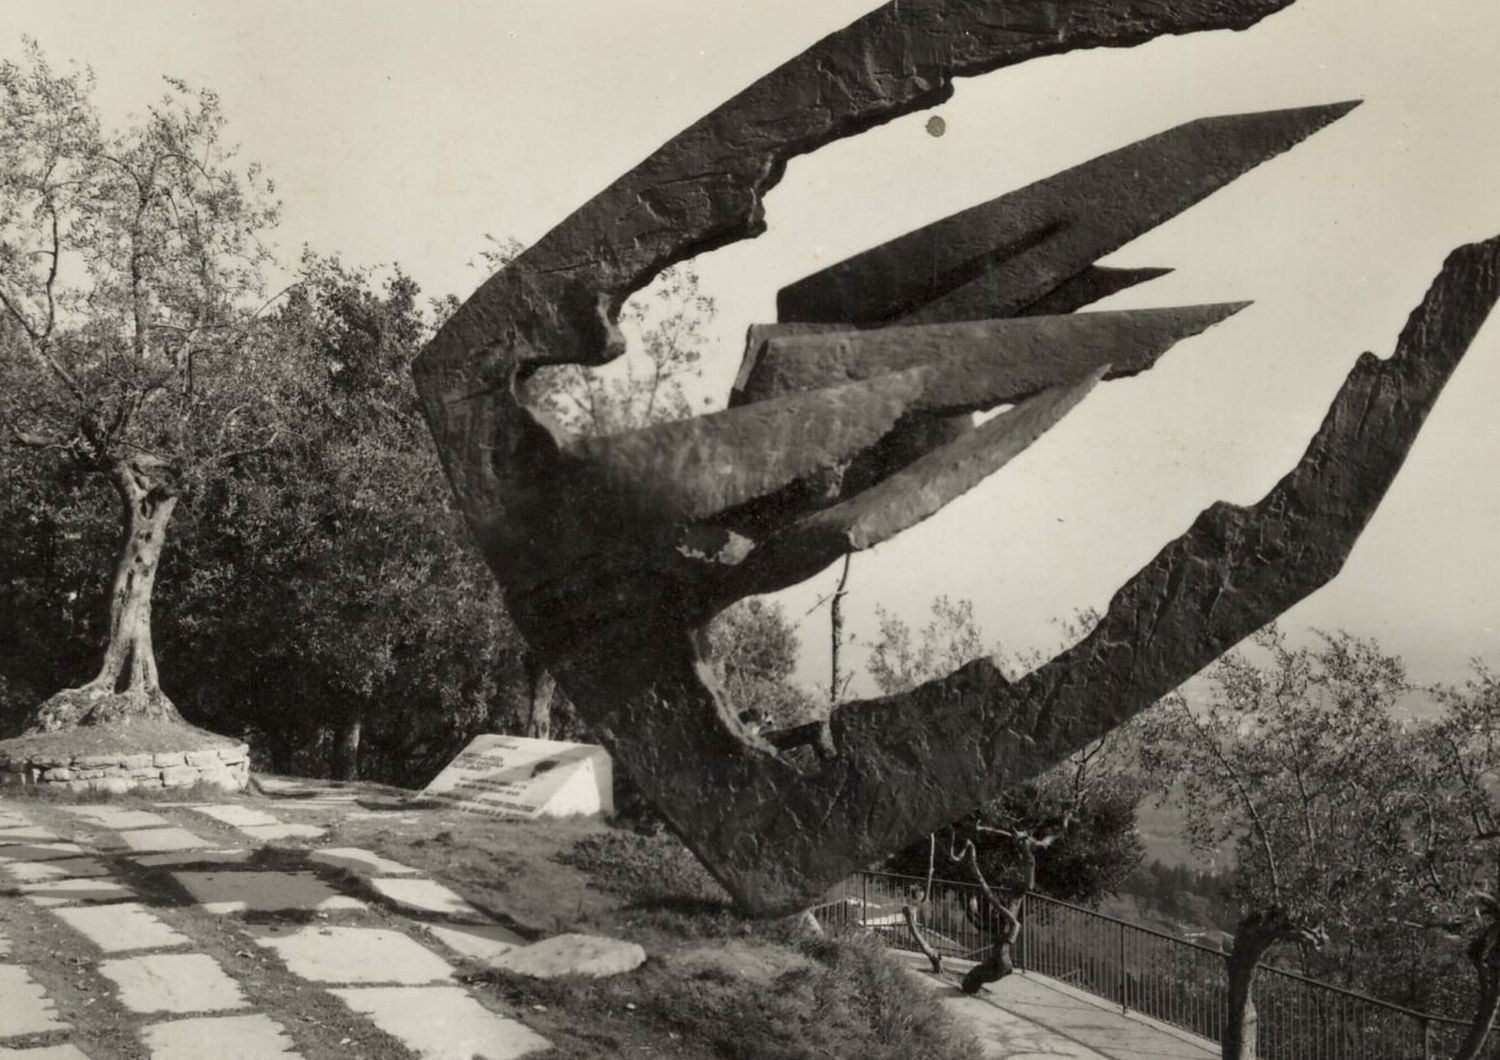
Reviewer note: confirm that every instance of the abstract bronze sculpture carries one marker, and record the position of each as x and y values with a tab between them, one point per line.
852	420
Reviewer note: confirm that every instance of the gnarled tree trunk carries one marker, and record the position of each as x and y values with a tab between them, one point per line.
1257	933
346	746
1484	952
127	687
1000	961
539	690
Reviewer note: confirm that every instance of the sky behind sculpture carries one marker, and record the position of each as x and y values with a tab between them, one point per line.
397	132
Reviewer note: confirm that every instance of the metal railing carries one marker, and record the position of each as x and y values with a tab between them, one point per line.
1178	982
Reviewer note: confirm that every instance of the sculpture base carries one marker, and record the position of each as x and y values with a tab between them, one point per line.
143	755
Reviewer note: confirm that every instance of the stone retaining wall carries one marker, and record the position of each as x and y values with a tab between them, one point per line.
224	767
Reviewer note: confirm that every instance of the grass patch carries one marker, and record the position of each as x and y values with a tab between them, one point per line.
139	737
715	985
842	998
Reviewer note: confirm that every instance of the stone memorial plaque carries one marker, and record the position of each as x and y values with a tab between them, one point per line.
515	776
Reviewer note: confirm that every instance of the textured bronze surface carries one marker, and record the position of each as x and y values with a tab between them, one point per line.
851	420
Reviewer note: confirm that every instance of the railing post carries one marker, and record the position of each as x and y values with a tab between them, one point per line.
864	899
1426	1038
1124	1004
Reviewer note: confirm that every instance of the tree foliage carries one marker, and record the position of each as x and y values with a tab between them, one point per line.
1281	764
756	646
1293	763
1447	888
358	607
898	660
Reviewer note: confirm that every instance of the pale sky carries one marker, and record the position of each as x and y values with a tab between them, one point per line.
405	132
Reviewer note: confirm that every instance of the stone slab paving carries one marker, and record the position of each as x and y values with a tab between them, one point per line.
173	982
254	1037
427	896
40	851
384	814
482	942
59	869
44	1052
13	820
26	833
364	862
263	892
443	1023
68	892
27	1009
280	784
414	1000
121	928
155	840
234	813
268	832
118	817
194	857
354	955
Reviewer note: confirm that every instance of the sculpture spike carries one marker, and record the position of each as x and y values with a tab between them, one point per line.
1093	284
694	468
1028	242
1017	357
909	496
985	297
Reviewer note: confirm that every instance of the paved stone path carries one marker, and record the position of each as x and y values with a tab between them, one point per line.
186	1004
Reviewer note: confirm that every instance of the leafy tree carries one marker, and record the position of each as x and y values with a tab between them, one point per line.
335	596
1449	885
56	541
130	286
898	661
756	647
1295	763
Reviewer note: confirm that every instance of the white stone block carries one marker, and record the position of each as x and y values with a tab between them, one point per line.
514	776
121	928
427	896
60	869
443	1023
335	954
71	892
263	892
27	1009
481	942
254	1037
235	813
157	840
268	832
119	817
364	862
173	982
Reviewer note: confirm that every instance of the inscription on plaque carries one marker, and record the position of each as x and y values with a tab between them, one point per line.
515	776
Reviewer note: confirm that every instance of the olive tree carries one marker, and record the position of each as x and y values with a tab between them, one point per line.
1291	759
130	290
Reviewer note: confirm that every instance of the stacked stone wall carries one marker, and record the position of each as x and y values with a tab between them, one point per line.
227	768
